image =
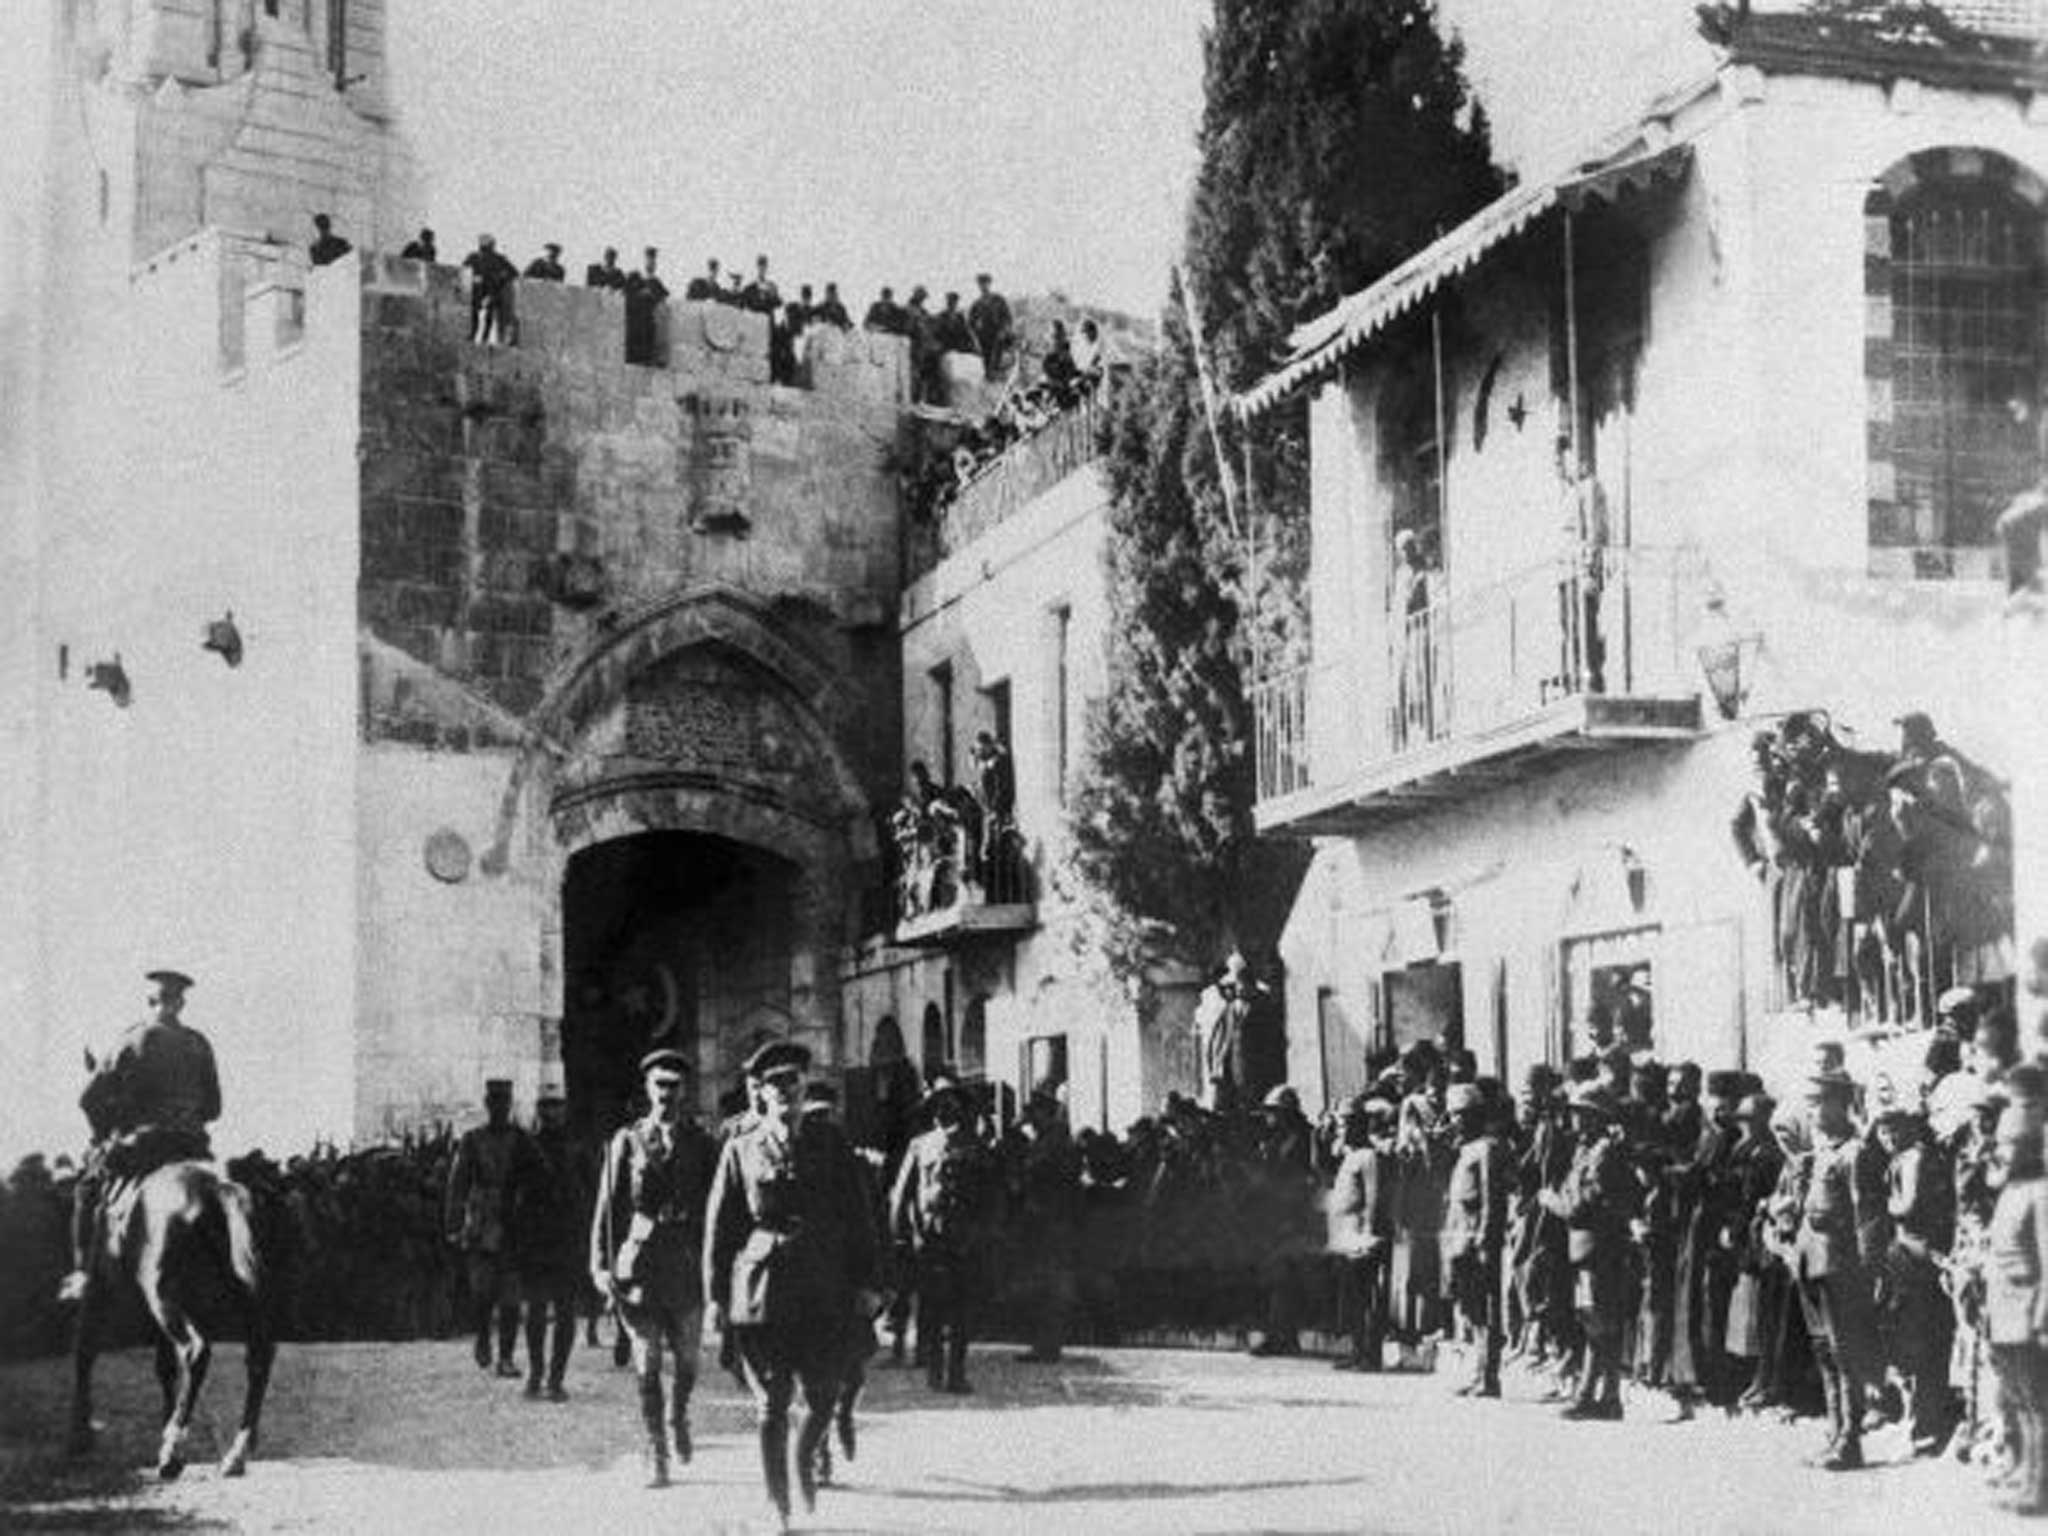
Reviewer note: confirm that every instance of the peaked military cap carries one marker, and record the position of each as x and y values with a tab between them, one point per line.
775	1056
665	1056
177	980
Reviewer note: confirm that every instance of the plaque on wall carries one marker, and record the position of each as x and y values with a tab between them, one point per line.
448	856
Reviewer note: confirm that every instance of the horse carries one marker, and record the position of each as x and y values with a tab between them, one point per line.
183	1236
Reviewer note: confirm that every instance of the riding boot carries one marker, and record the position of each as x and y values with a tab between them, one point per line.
775	1462
508	1335
536	1348
652	1416
678	1426
810	1441
564	1342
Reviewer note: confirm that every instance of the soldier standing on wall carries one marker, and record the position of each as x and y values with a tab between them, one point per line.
490	293
645	294
547	268
327	247
607	273
988	317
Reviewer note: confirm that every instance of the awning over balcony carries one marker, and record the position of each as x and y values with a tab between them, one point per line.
1322	343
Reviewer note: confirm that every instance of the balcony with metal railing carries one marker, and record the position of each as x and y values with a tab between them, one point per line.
1484	686
960	883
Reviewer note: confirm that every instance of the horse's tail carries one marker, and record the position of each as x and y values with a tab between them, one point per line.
235	1237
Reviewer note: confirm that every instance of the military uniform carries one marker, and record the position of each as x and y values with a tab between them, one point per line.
939	1203
1362	1231
1596	1201
788	1244
1474	1234
490	1162
1835	1292
552	1207
148	1104
646	1249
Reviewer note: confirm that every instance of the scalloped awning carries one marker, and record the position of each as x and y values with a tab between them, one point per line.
1323	342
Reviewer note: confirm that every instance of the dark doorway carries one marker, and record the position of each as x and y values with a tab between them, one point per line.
1425	1002
668	938
933	1052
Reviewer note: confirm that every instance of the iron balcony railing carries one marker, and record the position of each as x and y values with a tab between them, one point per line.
1604	621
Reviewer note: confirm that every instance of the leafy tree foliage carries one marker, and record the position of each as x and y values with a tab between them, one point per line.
1338	137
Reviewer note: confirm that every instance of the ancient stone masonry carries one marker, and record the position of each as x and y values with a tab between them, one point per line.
519	503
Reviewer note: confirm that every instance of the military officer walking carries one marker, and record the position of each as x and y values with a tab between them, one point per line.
646	1249
939	1204
490	1161
553	1206
788	1248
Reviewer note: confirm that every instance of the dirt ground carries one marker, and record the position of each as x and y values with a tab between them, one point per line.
384	1438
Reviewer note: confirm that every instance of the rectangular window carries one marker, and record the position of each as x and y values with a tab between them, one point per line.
1045	1062
942	707
998	695
1609	991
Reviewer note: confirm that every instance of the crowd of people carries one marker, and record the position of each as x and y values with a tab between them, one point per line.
1872	1253
945	839
1888	874
985	328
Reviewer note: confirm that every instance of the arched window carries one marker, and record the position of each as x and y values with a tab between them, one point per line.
1955	282
934	1053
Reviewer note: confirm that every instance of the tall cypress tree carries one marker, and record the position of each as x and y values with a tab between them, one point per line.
1338	136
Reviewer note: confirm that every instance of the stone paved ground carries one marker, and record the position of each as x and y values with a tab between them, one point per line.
385	1438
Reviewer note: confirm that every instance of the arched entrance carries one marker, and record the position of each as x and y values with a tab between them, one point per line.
669	938
692	775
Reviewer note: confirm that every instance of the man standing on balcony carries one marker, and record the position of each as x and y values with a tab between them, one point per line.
1413	650
1582	513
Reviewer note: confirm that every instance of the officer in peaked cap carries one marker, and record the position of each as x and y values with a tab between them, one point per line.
938	1208
647	1246
553	1206
491	1164
148	1104
1834	1286
1595	1200
775	1057
790	1252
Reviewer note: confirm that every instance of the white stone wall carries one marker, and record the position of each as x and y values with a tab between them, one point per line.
991	612
1525	869
1748	439
209	825
460	978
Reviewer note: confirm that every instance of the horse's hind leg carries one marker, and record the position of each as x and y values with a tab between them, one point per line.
194	1355
261	1353
167	1374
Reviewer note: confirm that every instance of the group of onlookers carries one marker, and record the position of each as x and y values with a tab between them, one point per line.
1876	1250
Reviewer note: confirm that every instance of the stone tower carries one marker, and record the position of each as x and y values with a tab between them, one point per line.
245	115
